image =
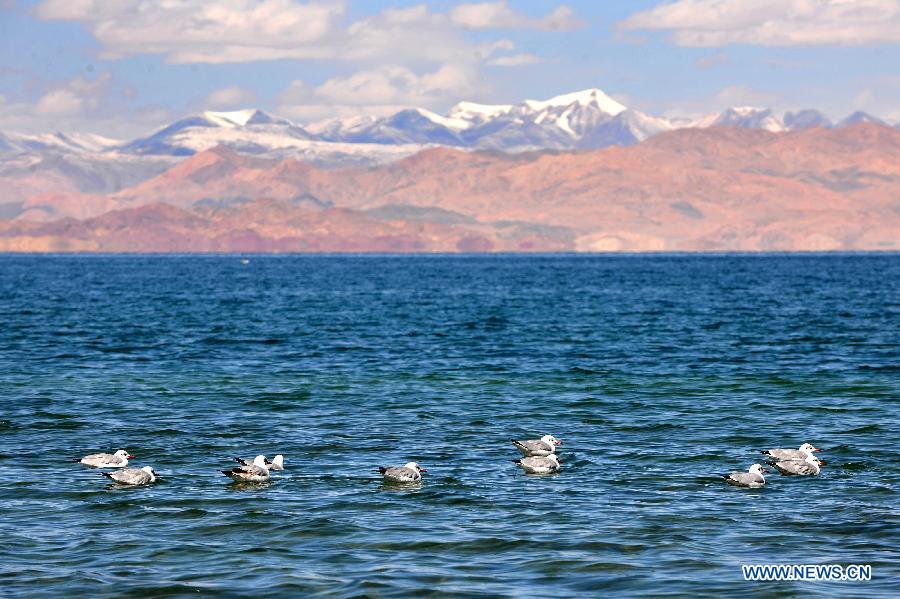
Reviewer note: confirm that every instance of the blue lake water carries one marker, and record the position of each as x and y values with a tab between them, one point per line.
658	372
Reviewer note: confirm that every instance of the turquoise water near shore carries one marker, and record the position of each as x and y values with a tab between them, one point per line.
658	372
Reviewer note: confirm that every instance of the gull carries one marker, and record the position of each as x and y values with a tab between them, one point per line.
537	447
410	473
753	478
791	454
257	472
133	476
809	466
107	460
277	463
539	464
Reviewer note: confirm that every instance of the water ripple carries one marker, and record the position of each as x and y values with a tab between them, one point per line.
659	373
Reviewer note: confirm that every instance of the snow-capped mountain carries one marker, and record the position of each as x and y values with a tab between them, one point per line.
804	119
860	117
626	128
580	120
31	165
585	119
56	142
746	117
413	125
250	131
256	132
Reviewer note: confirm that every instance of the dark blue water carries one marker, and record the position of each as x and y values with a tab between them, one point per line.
657	372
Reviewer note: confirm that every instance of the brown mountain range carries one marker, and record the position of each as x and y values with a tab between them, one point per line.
718	189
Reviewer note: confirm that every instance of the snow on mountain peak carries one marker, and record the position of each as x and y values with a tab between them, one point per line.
583	119
445	121
470	111
582	98
747	117
746	110
237	118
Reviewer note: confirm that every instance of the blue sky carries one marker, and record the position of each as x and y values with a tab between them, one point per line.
123	67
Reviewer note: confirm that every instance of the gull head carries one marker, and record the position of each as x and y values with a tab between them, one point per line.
277	463
758	469
551	440
415	466
149	470
124	454
808	448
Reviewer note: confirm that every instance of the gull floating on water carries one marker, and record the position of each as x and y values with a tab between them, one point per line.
537	447
277	463
257	472
539	464
791	454
753	478
133	476
107	460
807	467
410	473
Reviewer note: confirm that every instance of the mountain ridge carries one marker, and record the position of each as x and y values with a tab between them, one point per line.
712	189
582	119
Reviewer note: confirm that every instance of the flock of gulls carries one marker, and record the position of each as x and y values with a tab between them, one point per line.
538	457
797	462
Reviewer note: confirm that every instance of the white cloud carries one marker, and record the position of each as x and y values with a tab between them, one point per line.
730	96
411	36
379	90
773	22
60	102
76	97
396	84
496	15
743	95
101	104
881	98
193	31
230	97
710	61
515	60
399	57
230	31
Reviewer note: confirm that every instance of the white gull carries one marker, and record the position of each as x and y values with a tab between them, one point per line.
257	472
791	454
409	473
807	467
537	447
753	478
133	476
107	460
276	463
539	464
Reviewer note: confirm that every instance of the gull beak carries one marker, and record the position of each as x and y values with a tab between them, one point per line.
822	462
558	442
766	470
131	457
817	449
422	470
